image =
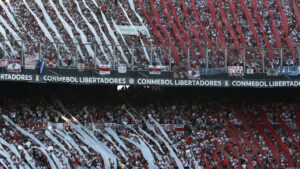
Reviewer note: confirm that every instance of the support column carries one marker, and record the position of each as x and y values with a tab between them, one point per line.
189	57
5	53
244	58
226	58
114	57
281	57
263	60
77	55
206	54
170	59
151	54
22	55
132	59
58	54
40	50
95	55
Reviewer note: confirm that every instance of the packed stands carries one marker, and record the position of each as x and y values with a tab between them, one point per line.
142	127
67	126
193	33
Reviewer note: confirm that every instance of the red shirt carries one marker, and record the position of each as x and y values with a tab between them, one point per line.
188	140
16	136
103	8
99	115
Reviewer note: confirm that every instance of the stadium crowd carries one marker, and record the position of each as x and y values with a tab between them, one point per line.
66	29
209	132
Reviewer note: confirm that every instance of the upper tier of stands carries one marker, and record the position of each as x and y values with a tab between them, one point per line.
233	31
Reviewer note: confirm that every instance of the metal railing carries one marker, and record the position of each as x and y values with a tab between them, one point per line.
139	57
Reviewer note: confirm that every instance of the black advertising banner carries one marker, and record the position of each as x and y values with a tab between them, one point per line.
34	78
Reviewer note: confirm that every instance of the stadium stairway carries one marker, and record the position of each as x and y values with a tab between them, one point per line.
277	138
267	139
202	28
193	29
224	153
231	30
287	130
245	140
206	161
181	29
235	139
249	131
235	154
216	157
175	30
285	28
221	37
276	32
157	22
297	12
262	28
